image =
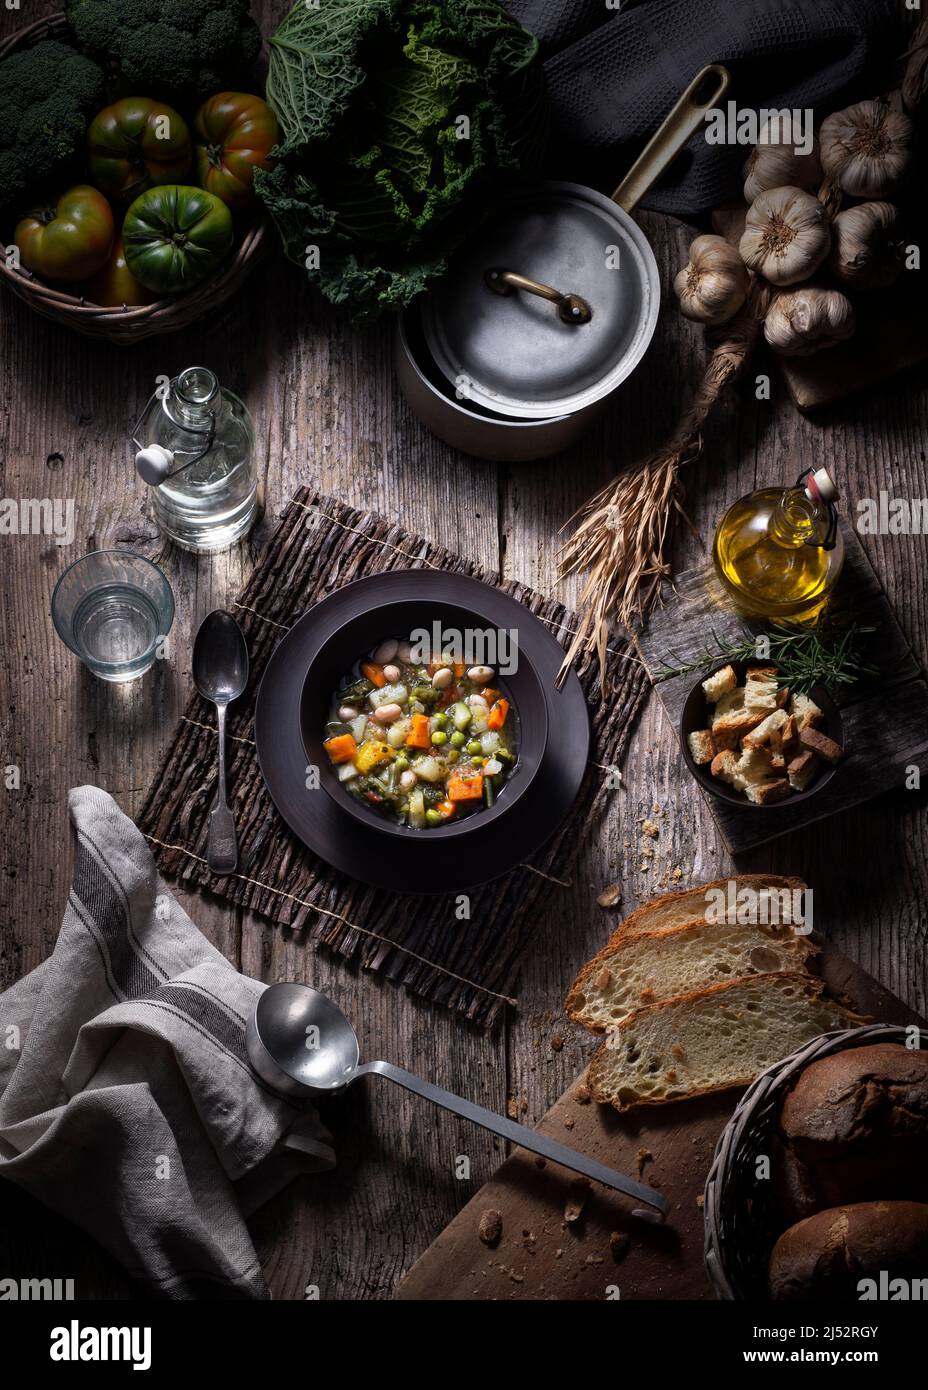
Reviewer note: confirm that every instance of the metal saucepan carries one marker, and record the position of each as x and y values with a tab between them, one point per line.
547	310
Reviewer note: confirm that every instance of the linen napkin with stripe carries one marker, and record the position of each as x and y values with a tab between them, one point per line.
127	1103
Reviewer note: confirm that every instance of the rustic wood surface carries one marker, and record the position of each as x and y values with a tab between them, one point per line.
548	1248
328	413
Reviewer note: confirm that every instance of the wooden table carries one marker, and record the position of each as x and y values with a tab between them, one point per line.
328	412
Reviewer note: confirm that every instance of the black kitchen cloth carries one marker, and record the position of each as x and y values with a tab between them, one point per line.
614	73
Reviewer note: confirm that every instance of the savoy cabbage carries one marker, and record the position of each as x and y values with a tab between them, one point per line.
400	119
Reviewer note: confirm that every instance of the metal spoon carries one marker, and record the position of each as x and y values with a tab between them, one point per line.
301	1044
220	670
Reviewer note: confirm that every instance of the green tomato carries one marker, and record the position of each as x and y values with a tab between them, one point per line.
175	236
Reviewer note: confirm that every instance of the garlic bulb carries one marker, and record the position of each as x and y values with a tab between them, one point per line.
865	246
773	165
786	235
714	283
867	148
810	319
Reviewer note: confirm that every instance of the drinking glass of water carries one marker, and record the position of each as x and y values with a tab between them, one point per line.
113	609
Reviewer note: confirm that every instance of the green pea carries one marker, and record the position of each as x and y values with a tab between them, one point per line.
453	756
474	747
440	720
457	739
401	763
433	817
438	738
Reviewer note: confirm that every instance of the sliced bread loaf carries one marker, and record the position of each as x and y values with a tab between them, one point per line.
646	967
677	909
711	1040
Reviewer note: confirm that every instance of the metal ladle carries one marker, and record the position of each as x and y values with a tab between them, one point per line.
302	1045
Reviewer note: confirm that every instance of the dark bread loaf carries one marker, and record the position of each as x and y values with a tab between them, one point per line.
825	1257
854	1128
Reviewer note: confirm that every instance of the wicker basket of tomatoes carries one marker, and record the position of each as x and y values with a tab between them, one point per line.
156	222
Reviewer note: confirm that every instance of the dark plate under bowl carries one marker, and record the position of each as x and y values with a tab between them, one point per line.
352	641
353	843
696	716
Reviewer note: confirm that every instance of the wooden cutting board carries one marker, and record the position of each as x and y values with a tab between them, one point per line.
540	1255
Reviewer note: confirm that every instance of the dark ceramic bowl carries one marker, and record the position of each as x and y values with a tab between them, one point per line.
357	636
696	716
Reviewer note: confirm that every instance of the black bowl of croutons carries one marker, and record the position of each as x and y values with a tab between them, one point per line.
750	740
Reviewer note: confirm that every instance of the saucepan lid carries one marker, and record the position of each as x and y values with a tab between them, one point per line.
555	301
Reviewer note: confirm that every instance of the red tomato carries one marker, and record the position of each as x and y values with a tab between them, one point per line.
234	134
70	240
115	284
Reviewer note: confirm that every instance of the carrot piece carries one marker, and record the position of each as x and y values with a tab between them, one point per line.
465	788
418	736
497	716
341	748
374	673
458	667
490	695
446	809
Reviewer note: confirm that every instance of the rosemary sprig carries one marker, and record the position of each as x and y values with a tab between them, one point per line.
804	657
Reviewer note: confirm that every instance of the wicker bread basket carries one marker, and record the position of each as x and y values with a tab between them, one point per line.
121	324
740	1217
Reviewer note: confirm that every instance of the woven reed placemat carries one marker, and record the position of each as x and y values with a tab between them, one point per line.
471	966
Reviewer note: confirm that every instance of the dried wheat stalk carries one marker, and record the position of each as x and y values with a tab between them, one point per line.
624	531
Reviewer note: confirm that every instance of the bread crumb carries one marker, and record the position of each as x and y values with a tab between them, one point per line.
642	1157
610	896
700	1201
582	1094
491	1226
619	1244
576	1199
569	1122
557	1042
594	1260
512	1108
650	829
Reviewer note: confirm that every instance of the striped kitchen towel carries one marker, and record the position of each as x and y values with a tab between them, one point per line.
127	1103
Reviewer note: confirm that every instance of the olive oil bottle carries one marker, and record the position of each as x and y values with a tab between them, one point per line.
779	551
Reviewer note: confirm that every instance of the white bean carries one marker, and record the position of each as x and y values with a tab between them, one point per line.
442	678
346	713
408	780
404	651
386	651
387	714
480	673
392	673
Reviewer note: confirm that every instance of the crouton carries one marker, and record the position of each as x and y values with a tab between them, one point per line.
760	688
755	764
767	793
725	767
720	683
731	700
789	733
702	746
806	711
802	770
822	745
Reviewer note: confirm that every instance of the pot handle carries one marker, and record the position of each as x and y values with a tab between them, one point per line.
706	89
571	308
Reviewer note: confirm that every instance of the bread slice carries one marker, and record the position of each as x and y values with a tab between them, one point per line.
679	909
711	1040
646	967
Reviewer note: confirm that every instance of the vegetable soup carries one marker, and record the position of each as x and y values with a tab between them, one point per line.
421	738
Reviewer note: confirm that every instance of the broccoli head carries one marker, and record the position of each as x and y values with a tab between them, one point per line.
48	93
179	50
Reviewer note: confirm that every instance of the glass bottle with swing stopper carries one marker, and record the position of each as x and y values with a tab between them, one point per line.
779	551
196	450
